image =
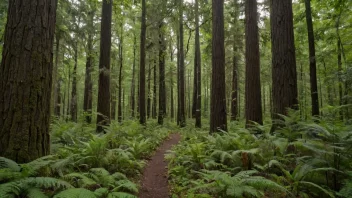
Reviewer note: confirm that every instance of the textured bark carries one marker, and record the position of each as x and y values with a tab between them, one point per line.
339	68
312	62
234	93
26	80
103	109
253	93
218	115
181	72
162	91
284	72
88	84
172	109
142	116
197	97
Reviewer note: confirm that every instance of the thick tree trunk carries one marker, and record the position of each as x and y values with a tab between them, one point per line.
26	80
154	114
312	62
181	74
162	91
142	116
103	109
197	97
234	95
284	72
253	93
218	120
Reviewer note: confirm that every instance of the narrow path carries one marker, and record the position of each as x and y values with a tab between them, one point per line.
154	181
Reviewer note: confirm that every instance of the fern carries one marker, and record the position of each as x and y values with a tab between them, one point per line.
9	164
76	193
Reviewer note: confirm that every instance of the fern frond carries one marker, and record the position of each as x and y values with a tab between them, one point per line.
10	164
35	193
323	190
76	193
121	195
126	185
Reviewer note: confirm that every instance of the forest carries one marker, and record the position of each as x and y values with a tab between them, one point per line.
175	98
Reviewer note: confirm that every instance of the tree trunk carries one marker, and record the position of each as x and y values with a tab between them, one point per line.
149	100
142	116
253	93
218	120
198	71
133	86
339	68
88	84
284	72
73	111
119	108
181	74
57	78
154	115
103	109
162	92
26	81
312	62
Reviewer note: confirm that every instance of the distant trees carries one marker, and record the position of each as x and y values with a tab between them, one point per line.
218	115
103	109
253	89
26	79
284	74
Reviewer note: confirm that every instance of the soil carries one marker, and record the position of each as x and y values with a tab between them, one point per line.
154	182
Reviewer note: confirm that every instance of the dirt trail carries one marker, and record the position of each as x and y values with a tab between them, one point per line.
154	181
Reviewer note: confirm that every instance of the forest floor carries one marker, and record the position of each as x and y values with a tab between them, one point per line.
154	183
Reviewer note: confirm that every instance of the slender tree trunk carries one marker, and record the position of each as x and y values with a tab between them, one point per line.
142	116
234	95
88	84
133	86
178	116
119	108
172	110
189	95
103	109
26	81
154	114
197	97
218	120
182	105
312	62
149	100
74	86
253	94
57	78
284	72
162	91
339	68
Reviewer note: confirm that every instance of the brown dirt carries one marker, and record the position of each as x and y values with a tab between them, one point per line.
154	182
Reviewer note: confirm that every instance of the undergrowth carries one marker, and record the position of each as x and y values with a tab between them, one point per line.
84	163
300	159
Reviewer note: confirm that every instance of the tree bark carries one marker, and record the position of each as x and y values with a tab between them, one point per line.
197	98
284	72
103	109
312	62
218	120
142	116
154	114
26	80
162	91
57	78
253	93
119	108
73	109
149	100
181	73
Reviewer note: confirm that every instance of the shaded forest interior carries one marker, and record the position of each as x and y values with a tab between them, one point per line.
259	90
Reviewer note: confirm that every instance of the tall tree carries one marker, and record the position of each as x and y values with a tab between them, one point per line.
119	110
218	116
197	92
103	109
88	84
284	74
253	89
142	113
181	71
312	61
25	80
162	91
56	78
